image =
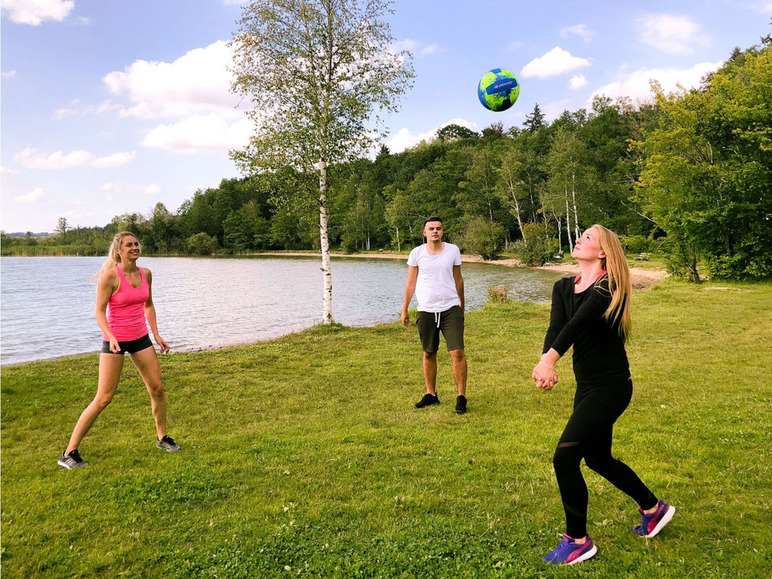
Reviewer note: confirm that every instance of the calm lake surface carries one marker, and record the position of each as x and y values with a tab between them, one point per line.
47	303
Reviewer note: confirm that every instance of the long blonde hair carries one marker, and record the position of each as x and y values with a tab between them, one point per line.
113	253
615	264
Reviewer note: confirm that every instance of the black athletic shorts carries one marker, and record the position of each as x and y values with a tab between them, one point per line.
130	347
450	323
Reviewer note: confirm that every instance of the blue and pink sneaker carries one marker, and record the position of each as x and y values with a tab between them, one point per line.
569	552
655	522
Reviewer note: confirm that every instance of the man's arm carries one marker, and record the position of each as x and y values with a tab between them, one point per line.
412	278
459	279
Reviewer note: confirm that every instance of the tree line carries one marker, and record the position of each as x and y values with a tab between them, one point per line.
687	174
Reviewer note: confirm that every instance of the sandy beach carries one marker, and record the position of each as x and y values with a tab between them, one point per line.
641	278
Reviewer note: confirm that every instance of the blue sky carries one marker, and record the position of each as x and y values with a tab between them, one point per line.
111	106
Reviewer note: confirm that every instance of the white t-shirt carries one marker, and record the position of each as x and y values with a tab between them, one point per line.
435	288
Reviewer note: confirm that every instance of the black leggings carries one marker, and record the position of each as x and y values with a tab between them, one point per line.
588	435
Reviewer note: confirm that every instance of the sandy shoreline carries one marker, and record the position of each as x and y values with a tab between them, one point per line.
641	278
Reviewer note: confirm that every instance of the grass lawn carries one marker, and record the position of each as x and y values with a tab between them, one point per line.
304	455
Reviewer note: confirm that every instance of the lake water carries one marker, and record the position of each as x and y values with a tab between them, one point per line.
48	303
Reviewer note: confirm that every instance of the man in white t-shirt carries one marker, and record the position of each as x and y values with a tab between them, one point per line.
434	275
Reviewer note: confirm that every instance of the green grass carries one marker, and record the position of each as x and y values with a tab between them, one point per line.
304	456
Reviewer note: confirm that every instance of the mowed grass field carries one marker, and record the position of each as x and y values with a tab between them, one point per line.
304	456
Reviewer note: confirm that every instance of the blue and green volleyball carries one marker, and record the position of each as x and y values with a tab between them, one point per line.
498	90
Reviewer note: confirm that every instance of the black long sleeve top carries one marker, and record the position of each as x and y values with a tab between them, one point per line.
577	319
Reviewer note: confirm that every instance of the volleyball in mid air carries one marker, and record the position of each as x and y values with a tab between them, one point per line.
498	90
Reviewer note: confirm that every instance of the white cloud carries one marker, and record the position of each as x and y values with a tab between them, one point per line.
417	49
32	159
203	132
8	174
75	109
407	44
556	108
9	74
116	160
404	139
577	81
555	62
130	188
429	49
637	85
671	34
196	83
763	7
36	195
35	12
581	30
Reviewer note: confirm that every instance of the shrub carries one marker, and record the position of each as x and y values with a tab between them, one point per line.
498	295
202	244
532	249
482	236
635	243
533	254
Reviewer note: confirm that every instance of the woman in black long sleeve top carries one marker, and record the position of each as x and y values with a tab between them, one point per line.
592	313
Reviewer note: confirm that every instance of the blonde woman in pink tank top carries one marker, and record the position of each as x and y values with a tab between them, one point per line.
124	310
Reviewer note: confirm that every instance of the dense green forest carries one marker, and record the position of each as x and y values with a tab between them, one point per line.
688	174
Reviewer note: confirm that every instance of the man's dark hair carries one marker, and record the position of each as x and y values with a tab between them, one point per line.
428	219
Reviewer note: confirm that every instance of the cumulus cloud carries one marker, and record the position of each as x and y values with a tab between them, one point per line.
577	81
580	30
202	132
671	34
555	62
33	197
76	110
763	7
35	12
7	174
556	108
404	139
429	49
33	159
196	83
416	48
131	188
637	85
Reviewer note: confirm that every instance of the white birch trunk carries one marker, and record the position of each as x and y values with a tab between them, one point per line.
325	245
560	237
568	227
576	210
517	211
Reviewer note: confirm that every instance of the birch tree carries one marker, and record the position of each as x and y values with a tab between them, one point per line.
510	187
317	74
568	178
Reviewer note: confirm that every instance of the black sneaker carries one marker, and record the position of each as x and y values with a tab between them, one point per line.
461	405
168	444
427	400
71	460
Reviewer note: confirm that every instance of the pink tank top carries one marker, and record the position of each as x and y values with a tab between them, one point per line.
126	309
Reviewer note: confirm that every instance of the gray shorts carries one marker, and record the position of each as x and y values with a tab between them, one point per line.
451	324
